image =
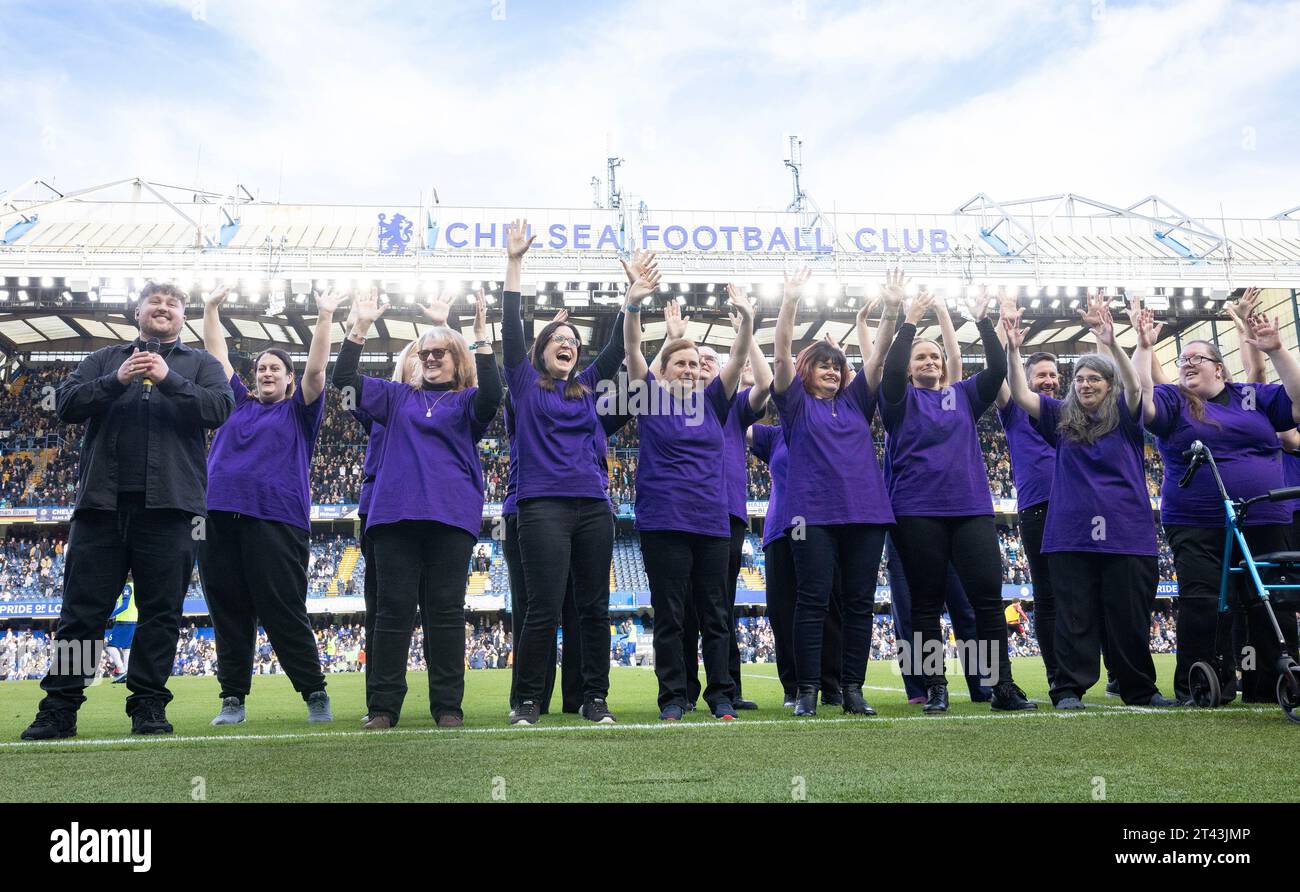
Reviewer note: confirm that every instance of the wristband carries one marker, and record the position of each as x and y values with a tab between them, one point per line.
633	308
477	344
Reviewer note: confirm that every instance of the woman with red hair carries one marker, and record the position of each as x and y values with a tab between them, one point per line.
835	504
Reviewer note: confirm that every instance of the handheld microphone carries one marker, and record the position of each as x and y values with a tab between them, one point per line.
1197	456
152	346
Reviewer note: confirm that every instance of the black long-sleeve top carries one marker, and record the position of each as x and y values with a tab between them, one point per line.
487	399
988	381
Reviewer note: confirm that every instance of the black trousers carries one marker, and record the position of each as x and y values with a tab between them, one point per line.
960	613
424	563
559	537
252	570
688	568
1202	633
854	550
691	625
927	546
1032	521
156	547
370	592
1104	596
782	591
571	660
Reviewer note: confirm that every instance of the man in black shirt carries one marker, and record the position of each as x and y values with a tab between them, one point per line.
141	508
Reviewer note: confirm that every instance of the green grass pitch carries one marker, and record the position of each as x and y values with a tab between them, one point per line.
1238	753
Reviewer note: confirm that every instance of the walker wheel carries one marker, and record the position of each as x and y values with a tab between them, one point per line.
1288	692
1203	683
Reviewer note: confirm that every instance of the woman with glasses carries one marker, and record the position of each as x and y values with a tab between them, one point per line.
1239	423
426	508
939	489
565	522
1100	534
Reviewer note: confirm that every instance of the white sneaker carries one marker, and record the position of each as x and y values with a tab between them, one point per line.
232	712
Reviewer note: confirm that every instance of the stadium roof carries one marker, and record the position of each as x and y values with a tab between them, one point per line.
71	262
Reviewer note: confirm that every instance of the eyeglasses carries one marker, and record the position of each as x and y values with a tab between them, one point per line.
1194	360
434	353
1092	380
564	340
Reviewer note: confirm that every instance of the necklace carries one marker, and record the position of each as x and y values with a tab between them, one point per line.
428	410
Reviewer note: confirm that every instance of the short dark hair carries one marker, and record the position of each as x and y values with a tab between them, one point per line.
164	288
815	353
1035	358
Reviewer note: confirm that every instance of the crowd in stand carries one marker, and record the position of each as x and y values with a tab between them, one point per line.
26	655
30	567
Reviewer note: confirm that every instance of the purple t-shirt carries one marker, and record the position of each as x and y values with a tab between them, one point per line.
679	479
260	462
769	446
430	468
835	477
1032	460
1244	445
1291	477
936	468
555	437
734	467
374	451
1099	498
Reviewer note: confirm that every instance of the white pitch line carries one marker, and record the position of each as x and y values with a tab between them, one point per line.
162	740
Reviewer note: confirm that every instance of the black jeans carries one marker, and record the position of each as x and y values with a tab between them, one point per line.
1104	596
1032	521
252	570
927	546
782	590
853	549
960	614
156	547
559	537
691	625
571	668
1202	633
425	563
682	568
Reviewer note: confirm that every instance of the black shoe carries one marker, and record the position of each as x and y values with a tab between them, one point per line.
854	704
741	703
597	710
150	717
936	699
52	724
805	702
980	695
1008	697
1112	689
724	711
690	707
526	713
832	698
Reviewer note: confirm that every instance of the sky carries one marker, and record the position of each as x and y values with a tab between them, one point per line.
901	106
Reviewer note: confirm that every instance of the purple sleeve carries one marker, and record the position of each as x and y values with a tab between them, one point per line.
1277	406
740	405
521	375
309	416
716	396
1169	408
861	395
971	386
764	436
1132	426
237	387
378	398
790	403
1049	415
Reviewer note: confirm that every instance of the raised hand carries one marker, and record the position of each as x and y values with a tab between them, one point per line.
794	284
517	240
1147	330
895	288
1266	333
1096	303
216	298
867	308
741	309
368	307
1007	306
562	316
438	309
480	317
674	324
640	260
1104	328
919	306
647	281
1241	309
1015	334
328	303
978	307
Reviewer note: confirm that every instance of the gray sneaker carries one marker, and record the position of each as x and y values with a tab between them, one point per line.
318	707
232	712
1069	703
